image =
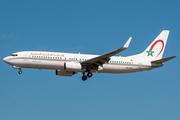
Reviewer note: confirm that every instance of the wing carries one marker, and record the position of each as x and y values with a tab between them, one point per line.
100	60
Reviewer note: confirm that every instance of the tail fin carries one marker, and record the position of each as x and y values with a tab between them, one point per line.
156	49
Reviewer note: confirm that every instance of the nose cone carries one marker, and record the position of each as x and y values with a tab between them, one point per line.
9	61
5	60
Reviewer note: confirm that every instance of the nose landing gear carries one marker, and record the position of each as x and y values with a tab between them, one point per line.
20	72
17	67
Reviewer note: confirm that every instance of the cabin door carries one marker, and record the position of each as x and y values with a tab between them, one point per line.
140	64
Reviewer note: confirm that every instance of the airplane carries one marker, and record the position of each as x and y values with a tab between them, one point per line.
68	64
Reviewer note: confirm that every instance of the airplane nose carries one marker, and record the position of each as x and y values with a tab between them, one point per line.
8	60
5	59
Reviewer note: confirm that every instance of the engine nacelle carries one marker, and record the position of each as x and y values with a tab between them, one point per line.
64	73
72	66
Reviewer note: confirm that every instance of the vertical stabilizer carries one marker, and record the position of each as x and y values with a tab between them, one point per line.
156	49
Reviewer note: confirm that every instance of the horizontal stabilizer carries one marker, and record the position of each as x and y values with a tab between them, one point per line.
163	60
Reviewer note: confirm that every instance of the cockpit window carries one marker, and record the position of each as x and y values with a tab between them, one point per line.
14	54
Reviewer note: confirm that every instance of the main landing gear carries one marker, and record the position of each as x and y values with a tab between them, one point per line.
89	75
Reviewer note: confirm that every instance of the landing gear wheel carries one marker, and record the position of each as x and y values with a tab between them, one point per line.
89	74
84	77
20	72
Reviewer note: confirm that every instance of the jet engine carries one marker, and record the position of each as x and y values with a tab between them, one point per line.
72	66
64	73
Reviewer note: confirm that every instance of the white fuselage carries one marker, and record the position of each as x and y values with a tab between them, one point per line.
55	61
67	64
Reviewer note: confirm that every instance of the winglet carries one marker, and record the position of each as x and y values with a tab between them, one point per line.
127	43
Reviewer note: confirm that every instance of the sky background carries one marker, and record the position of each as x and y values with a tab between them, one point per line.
89	27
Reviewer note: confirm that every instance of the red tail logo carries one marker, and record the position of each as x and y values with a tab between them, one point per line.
155	44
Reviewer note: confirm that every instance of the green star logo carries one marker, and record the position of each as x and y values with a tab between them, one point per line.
150	52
